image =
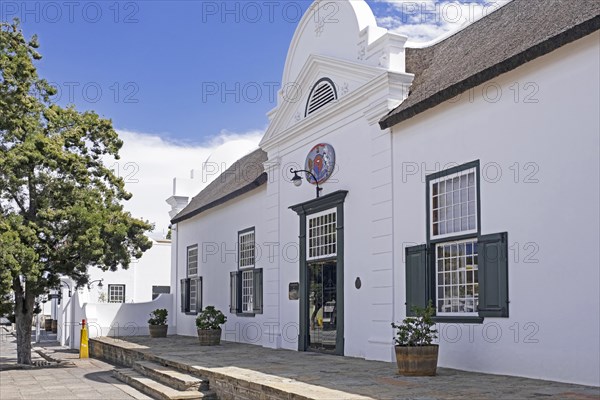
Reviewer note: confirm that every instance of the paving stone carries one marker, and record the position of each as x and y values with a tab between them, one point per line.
234	370
61	382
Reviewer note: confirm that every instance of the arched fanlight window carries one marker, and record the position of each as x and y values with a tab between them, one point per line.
321	94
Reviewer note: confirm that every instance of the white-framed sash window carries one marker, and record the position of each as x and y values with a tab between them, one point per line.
321	237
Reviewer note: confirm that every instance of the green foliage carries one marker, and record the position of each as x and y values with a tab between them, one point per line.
210	318
158	317
418	330
61	208
7	305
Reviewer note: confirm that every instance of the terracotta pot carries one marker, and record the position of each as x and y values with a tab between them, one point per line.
417	360
209	337
157	331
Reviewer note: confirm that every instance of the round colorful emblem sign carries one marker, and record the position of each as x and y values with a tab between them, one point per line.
321	162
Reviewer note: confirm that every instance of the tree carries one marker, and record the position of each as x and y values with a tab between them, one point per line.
61	208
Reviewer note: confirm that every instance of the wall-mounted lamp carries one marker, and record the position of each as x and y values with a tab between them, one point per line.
67	285
100	285
297	180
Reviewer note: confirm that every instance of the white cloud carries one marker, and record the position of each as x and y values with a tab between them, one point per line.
425	20
149	163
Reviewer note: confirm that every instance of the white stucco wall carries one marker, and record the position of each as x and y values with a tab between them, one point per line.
554	140
553	329
153	269
215	232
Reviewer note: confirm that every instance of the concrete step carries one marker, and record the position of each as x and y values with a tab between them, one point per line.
170	376
156	389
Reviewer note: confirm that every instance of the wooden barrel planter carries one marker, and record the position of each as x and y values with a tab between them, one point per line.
54	326
417	360
157	331
48	324
209	337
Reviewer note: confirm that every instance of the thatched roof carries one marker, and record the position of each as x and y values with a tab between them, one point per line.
243	176
517	33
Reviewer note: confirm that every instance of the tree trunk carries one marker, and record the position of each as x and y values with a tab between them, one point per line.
24	304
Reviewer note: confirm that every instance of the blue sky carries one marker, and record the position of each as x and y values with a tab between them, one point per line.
158	69
161	67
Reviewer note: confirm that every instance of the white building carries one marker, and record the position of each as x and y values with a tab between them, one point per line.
115	302
465	172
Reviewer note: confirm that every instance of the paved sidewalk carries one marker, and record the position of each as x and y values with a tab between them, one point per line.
373	379
72	378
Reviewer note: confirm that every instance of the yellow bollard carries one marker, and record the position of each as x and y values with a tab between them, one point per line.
83	343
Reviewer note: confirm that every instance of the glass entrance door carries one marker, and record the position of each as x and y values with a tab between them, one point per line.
322	310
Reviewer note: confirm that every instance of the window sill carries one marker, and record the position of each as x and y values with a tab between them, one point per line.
245	314
191	313
458	320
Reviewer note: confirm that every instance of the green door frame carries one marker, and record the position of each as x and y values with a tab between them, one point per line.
333	200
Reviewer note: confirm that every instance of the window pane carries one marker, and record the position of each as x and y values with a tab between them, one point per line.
322	240
247	291
472	223
457	287
246	249
192	260
454	199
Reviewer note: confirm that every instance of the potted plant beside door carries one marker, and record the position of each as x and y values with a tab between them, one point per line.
157	324
416	355
209	323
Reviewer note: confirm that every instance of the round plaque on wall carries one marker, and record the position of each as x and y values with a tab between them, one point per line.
321	162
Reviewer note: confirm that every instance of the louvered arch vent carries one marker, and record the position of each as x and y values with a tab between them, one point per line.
322	93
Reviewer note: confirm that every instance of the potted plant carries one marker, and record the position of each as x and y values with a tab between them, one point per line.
209	323
416	355
157	324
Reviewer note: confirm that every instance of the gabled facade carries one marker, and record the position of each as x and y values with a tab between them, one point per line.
465	201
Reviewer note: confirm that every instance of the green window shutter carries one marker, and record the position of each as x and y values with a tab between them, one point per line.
493	275
257	292
235	288
182	294
198	295
416	278
185	295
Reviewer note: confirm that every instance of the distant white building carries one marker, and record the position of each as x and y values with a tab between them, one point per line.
107	299
465	173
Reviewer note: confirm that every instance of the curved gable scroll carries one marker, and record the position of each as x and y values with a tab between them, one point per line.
322	93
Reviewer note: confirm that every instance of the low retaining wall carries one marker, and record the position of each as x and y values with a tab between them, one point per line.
117	354
229	383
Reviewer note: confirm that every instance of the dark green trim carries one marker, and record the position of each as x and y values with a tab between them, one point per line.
332	200
320	204
458	320
441	174
245	314
451	239
246	230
